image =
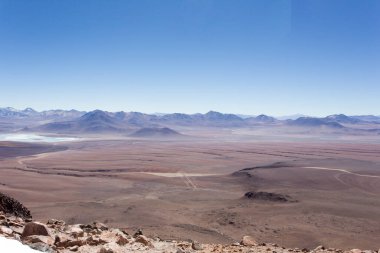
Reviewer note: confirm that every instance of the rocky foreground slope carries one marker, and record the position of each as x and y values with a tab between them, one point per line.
56	236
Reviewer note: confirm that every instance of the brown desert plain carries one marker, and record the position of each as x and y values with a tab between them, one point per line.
194	187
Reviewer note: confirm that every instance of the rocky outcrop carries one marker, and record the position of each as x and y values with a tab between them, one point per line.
34	228
248	241
9	205
268	196
56	236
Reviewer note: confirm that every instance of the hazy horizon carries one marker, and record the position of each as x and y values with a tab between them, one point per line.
243	57
204	112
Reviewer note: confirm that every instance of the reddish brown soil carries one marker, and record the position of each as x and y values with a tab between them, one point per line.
103	180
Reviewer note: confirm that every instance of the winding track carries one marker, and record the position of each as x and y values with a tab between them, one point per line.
342	170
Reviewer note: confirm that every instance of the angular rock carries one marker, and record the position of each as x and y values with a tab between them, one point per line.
53	223
42	247
38	239
144	240
105	250
99	226
35	228
138	232
320	247
5	230
196	245
121	240
93	241
15	224
248	241
75	231
74	248
108	236
70	243
17	237
17	230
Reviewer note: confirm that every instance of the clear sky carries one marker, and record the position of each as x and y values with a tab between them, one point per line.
315	57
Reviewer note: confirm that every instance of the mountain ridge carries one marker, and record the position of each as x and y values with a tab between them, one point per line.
99	121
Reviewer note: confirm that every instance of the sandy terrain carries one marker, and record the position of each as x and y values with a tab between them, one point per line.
194	189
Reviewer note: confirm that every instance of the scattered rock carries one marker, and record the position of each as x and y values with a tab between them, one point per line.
320	247
75	231
179	250
35	228
5	230
138	232
74	248
94	241
248	241
56	237
42	247
105	250
17	230
121	240
100	226
55	223
269	196
196	245
144	240
68	242
38	239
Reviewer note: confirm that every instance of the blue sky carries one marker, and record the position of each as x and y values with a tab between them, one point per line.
275	57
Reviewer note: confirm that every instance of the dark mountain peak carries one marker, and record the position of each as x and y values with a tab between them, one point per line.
265	118
313	122
341	118
138	118
337	116
136	114
120	115
96	121
367	118
11	112
9	109
155	132
29	110
176	116
213	115
96	115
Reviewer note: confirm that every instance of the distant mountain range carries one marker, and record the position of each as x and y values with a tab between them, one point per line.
9	112
98	121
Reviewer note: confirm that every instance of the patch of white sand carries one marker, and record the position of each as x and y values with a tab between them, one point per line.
34	138
14	246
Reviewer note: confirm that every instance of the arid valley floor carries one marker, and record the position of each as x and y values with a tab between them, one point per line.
194	188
